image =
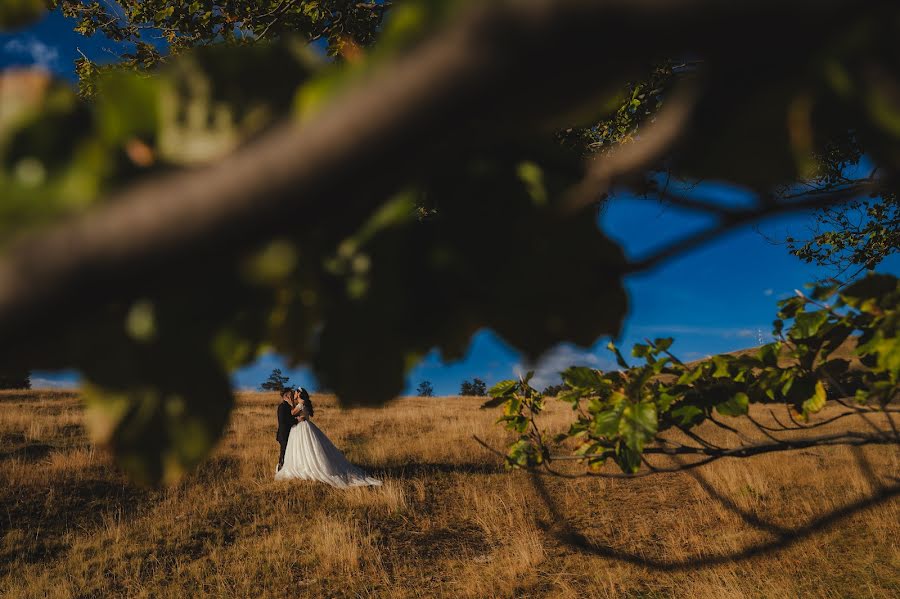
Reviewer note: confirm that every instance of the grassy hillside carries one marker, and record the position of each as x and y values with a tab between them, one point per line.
448	522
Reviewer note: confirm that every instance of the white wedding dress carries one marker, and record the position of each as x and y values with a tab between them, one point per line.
311	456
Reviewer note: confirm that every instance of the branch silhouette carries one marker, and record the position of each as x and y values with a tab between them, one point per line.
784	537
710	453
418	108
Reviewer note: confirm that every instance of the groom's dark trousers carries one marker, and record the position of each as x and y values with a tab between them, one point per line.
285	421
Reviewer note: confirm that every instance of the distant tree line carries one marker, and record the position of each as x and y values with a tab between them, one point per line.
476	387
554	390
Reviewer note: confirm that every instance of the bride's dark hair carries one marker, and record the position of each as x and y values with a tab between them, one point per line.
304	397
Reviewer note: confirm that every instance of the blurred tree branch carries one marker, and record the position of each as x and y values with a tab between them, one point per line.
468	74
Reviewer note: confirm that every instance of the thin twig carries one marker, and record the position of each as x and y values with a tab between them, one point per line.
733	221
849	438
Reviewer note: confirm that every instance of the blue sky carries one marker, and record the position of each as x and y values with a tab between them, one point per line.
718	298
52	44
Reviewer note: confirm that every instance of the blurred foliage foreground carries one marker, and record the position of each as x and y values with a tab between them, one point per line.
179	214
623	416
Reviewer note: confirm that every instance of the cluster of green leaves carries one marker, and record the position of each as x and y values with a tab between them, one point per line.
181	25
854	237
147	33
619	414
634	106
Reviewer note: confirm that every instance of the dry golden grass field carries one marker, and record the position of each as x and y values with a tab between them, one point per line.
448	522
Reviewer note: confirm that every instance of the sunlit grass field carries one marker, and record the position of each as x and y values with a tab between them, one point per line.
448	522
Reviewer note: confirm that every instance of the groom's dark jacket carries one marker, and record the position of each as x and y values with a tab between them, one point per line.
285	421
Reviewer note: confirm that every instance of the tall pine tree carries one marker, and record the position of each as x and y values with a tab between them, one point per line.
276	381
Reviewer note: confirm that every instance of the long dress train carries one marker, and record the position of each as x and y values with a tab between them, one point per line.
310	455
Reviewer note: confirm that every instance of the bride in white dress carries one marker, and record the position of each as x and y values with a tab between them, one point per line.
311	456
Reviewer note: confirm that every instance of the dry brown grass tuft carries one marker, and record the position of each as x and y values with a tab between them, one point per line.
448	522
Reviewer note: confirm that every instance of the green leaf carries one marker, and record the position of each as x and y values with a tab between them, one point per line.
520	454
628	459
515	422
503	388
885	350
687	415
798	389
619	359
640	350
787	382
532	176
807	324
513	406
768	354
866	292
789	307
666	400
690	376
571	396
638	424
777	327
588	447
722	364
582	377
663	344
736	406
816	402
606	422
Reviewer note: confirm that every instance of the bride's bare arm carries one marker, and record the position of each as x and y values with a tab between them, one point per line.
300	411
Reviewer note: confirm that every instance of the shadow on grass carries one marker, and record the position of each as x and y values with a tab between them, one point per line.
419	469
40	517
28	452
782	537
214	469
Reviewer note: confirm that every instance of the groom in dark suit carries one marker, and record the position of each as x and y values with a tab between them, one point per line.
286	421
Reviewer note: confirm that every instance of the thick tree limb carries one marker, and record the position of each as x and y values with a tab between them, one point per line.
472	76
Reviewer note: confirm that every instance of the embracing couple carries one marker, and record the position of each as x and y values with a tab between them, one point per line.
306	452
